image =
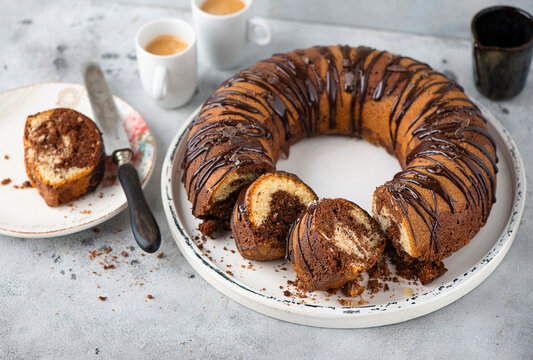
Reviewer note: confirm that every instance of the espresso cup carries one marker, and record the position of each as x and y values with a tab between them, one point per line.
503	47
222	38
170	80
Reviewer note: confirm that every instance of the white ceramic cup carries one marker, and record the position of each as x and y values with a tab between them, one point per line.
170	80
222	38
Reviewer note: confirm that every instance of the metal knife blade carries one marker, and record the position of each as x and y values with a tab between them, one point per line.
105	110
143	224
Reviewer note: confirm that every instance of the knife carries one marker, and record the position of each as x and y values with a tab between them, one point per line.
143	224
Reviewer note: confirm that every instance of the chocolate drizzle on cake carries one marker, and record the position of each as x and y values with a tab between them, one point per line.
354	69
332	243
332	83
297	229
447	142
242	141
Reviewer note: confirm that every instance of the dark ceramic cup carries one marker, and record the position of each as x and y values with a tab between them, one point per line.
503	45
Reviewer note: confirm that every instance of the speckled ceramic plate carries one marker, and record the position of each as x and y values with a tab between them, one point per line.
23	213
343	167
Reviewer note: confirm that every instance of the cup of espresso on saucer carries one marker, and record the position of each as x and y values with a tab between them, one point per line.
166	55
224	27
503	47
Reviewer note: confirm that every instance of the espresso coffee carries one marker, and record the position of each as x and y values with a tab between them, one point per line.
222	7
166	44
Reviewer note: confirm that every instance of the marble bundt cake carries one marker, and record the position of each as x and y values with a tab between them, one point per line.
332	243
433	207
265	211
64	154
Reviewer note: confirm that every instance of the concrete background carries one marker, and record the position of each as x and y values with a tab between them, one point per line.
49	291
435	17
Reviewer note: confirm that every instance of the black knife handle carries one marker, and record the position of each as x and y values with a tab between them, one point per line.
143	224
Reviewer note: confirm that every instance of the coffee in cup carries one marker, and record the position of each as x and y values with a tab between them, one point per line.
166	44
222	7
166	55
224	29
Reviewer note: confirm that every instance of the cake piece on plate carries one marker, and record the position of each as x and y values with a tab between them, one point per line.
64	154
265	212
332	243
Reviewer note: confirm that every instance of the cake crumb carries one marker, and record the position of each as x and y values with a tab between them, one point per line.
352	289
160	255
6	181
6	157
102	298
407	291
149	296
345	302
209	227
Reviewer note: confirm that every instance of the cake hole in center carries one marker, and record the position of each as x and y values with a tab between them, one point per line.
341	167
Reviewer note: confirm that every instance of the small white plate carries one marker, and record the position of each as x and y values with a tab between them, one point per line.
23	213
344	167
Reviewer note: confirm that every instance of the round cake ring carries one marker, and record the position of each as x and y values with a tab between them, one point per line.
430	209
500	231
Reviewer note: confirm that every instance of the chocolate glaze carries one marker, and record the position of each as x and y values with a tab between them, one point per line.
441	129
358	81
240	140
332	84
308	217
241	205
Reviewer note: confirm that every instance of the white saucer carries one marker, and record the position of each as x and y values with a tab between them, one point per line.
344	167
23	213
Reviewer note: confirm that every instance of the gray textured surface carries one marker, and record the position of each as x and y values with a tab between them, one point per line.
49	305
435	17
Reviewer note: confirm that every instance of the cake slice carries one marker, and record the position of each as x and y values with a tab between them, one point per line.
64	154
332	243
265	212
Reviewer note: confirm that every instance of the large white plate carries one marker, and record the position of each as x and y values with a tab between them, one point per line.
23	213
343	167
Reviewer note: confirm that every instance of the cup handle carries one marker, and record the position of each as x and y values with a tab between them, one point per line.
253	24
160	83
